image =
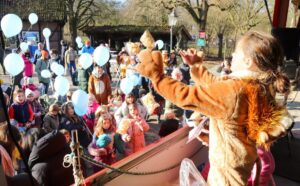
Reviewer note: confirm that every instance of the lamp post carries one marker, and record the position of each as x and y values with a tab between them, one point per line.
172	20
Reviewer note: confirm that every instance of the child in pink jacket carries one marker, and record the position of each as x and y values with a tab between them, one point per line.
132	130
28	70
89	117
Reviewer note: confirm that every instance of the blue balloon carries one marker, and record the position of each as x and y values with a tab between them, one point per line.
101	55
126	85
80	111
80	99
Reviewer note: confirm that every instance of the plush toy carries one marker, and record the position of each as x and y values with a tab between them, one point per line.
148	40
149	102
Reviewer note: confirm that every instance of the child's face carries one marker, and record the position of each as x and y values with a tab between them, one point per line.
238	60
133	111
68	137
70	111
130	99
100	70
91	100
20	97
30	97
106	124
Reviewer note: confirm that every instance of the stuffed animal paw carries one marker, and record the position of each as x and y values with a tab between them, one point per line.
151	64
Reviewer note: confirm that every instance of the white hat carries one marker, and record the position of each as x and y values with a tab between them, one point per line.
28	92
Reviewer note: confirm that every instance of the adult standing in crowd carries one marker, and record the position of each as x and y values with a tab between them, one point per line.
63	50
88	48
38	52
43	64
70	57
100	85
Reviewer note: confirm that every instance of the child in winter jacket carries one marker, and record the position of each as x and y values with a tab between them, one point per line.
89	117
132	130
103	141
28	84
100	85
37	108
20	112
28	70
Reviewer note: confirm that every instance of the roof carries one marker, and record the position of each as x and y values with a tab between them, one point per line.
53	10
134	29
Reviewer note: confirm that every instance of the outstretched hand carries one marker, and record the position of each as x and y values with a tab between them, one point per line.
191	56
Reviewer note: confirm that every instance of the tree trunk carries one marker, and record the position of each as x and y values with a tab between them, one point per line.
220	38
73	30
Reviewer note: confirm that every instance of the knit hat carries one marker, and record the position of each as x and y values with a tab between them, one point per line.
44	54
103	140
28	92
29	80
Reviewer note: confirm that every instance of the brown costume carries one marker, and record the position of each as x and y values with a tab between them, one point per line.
241	110
100	87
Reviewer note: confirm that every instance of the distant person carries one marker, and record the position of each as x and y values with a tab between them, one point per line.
88	48
43	64
64	48
38	52
70	57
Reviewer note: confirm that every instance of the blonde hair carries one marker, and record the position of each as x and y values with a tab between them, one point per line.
99	126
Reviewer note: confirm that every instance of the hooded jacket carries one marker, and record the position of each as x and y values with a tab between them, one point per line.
100	86
46	160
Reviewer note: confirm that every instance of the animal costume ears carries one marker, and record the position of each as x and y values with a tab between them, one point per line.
147	40
133	48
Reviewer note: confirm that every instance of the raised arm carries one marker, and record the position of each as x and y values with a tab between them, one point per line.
217	99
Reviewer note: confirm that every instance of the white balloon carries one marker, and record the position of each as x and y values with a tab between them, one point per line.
86	60
46	73
24	46
11	25
126	85
101	55
53	66
80	45
159	44
78	40
46	32
14	64
59	70
33	18
61	85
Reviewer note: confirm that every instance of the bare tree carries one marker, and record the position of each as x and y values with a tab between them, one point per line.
245	15
80	15
198	9
143	12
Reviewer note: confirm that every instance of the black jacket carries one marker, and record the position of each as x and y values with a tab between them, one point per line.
46	160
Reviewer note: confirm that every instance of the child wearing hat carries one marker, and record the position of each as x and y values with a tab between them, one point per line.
43	64
28	84
37	108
